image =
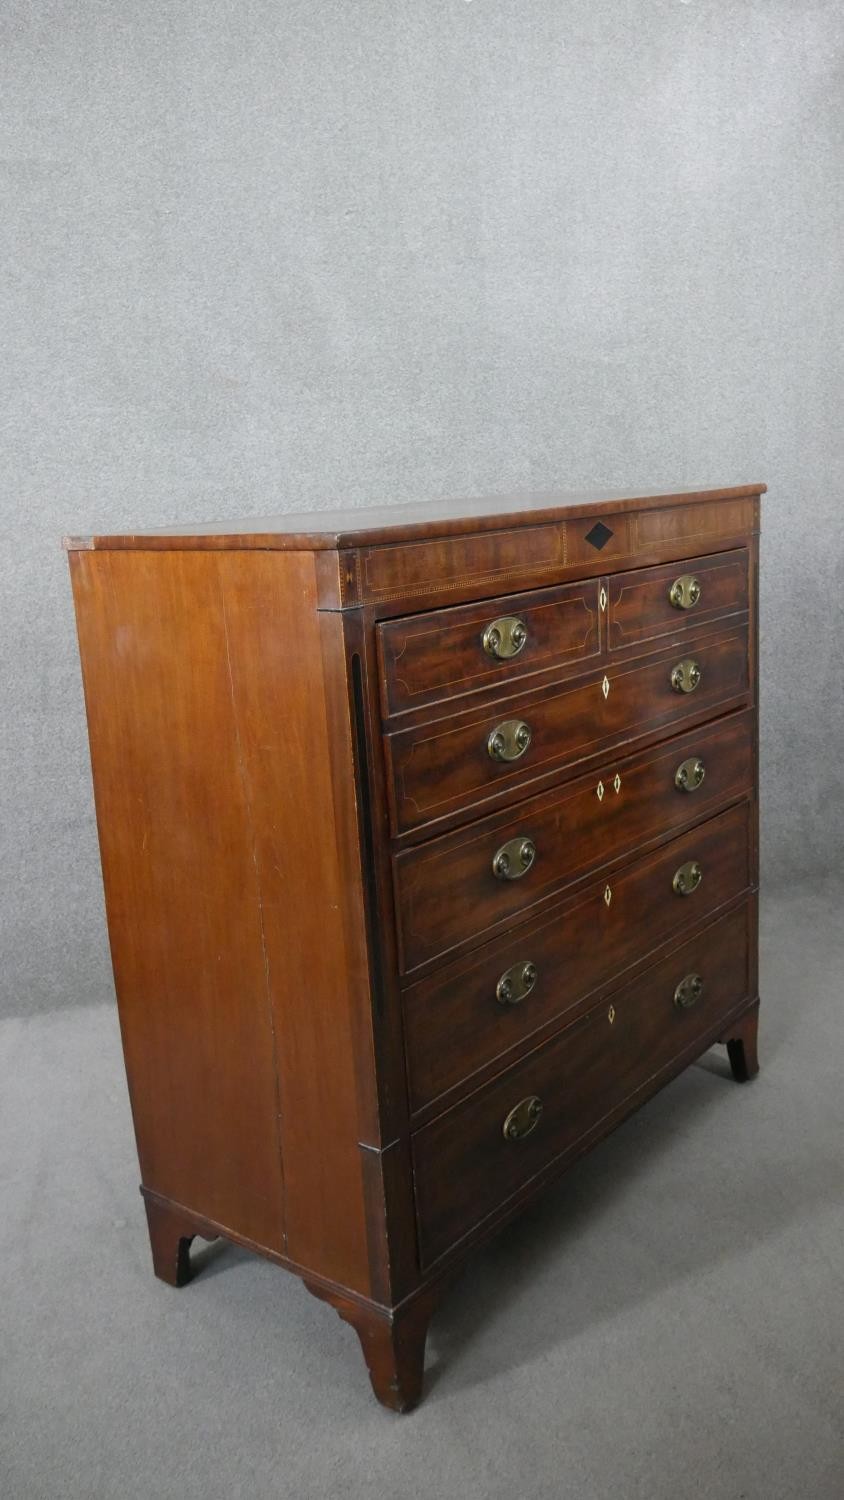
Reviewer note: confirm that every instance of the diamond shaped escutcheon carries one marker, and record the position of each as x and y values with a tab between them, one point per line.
598	536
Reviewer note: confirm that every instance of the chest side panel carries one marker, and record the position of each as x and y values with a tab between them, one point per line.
183	895
235	957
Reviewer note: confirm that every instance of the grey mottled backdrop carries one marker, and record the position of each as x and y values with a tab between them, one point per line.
287	253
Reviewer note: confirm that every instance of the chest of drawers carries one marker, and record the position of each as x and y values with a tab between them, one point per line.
429	844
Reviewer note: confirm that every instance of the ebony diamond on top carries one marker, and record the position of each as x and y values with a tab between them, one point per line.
599	535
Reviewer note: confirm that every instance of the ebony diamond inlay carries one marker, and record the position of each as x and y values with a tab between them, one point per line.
598	536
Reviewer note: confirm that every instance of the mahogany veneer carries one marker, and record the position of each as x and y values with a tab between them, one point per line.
409	907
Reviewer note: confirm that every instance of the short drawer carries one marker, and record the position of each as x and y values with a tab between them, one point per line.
463	1018
471	1160
447	652
454	891
650	602
438	768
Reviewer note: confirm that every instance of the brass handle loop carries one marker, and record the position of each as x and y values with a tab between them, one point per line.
687	878
686	675
514	859
685	592
504	638
516	982
688	991
523	1118
689	774
509	741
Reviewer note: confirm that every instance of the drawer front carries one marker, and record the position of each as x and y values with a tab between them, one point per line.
526	556
443	653
467	1163
447	894
436	769
651	602
463	1018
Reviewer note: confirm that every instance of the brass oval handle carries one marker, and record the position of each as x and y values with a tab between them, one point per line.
515	983
523	1118
504	638
689	774
514	859
686	675
510	740
685	592
687	878
688	991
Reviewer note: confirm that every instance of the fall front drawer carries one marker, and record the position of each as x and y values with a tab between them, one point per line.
463	1018
471	1160
440	767
448	653
466	885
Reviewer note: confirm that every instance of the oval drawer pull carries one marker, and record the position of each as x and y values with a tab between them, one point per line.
514	859
686	675
685	592
523	1118
515	983
689	774
504	638
688	992
510	740
687	878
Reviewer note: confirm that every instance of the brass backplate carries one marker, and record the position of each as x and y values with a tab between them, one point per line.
509	740
688	991
514	859
523	1118
687	878
689	774
516	982
686	675
685	592
504	637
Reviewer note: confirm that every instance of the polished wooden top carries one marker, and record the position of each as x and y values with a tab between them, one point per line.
370	526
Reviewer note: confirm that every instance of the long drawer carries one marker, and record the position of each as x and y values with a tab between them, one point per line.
437	768
458	889
468	1162
463	1018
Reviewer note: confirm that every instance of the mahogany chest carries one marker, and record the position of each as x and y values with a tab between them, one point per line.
429	842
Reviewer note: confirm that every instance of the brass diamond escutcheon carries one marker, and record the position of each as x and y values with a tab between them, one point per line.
607	895
605	687
611	1014
602	599
616	783
600	791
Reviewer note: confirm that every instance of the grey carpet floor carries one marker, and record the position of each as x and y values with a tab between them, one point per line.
666	1322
